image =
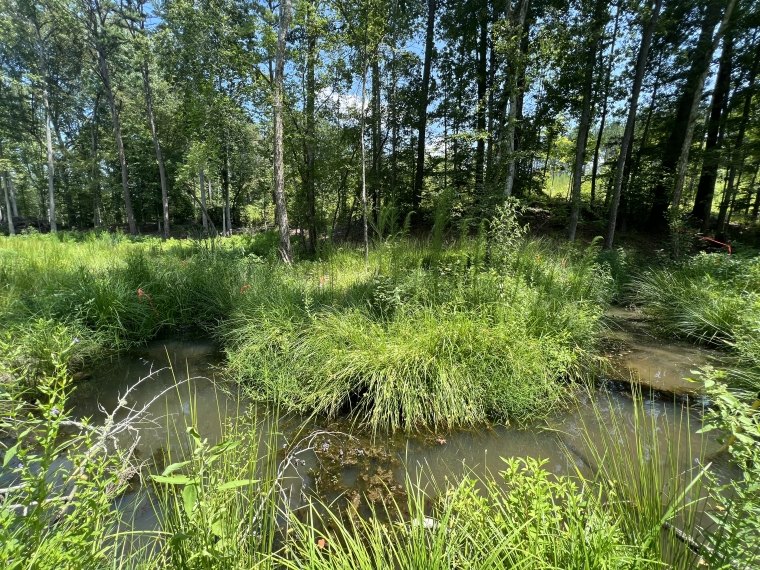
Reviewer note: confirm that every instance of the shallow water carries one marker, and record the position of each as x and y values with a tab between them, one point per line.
181	386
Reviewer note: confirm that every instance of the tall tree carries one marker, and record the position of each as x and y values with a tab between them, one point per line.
596	28
674	145
281	211
715	135
419	178
625	143
98	23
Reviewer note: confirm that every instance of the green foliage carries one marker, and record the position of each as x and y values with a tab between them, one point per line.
217	504
412	340
709	298
734	544
57	513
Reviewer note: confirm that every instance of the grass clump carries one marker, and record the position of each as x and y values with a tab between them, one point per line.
411	340
712	299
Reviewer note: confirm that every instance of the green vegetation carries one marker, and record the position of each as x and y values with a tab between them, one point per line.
499	327
222	505
709	298
416	336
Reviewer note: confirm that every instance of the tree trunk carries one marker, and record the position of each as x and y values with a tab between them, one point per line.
714	141
700	59
106	78
8	210
739	140
365	234
480	113
50	159
377	151
605	96
756	205
683	160
279	162
641	63
513	97
157	148
204	217
419	179
597	27
310	134
226	212
97	218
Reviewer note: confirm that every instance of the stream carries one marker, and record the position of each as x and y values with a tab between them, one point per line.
343	464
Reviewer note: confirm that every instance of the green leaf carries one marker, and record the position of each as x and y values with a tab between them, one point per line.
10	454
189	498
173	480
174	467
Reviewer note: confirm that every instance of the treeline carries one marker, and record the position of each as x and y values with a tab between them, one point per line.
339	118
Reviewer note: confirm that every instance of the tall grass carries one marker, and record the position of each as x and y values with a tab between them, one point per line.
412	339
712	299
219	505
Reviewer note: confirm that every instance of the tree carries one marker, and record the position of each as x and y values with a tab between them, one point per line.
596	28
641	62
419	178
277	111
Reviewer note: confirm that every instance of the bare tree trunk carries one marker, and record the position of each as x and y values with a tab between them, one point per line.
281	212
512	116
106	78
605	97
641	63
8	210
310	134
365	234
419	178
50	159
226	212
97	218
377	151
157	147
480	113
683	158
204	216
597	27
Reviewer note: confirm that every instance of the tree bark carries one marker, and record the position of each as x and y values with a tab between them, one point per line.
480	113
513	98
597	27
641	63
605	97
156	147
105	77
50	159
279	162
204	216
691	120
97	219
365	234
714	141
419	179
377	151
310	134
8	210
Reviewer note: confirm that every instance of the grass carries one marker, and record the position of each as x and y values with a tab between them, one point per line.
418	336
712	299
221	504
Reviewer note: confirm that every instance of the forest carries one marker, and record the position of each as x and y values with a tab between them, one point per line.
323	117
379	284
